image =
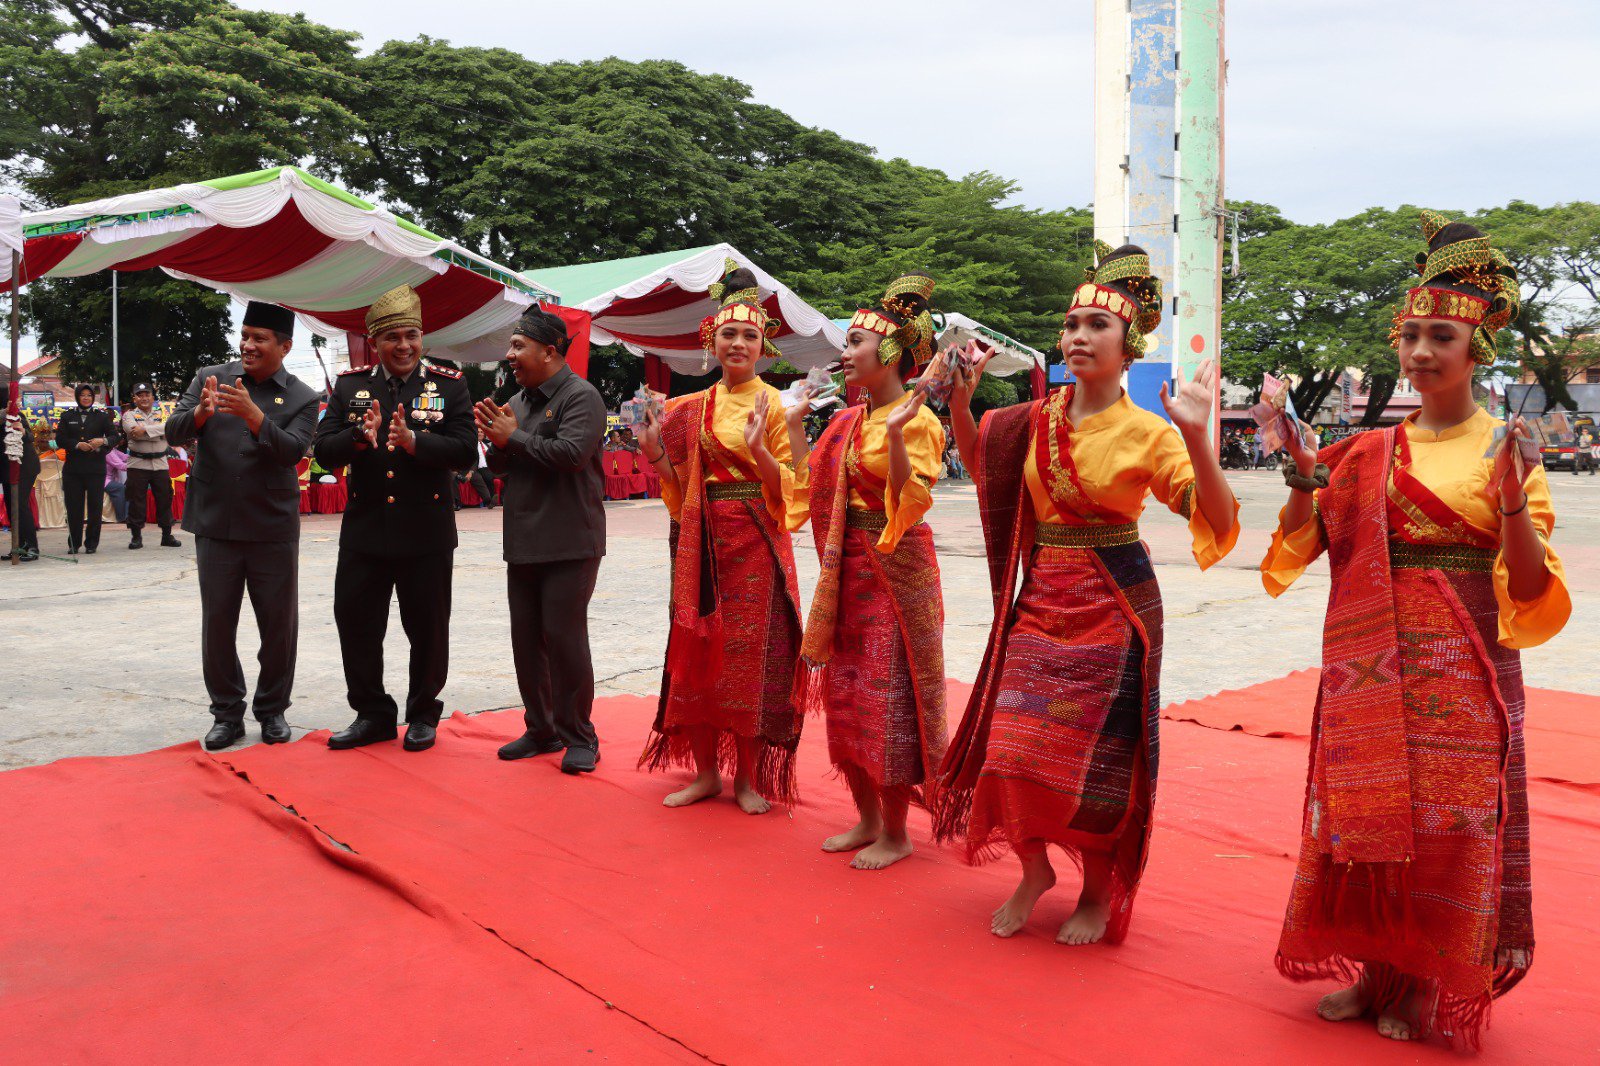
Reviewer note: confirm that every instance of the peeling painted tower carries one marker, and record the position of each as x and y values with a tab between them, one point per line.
1159	75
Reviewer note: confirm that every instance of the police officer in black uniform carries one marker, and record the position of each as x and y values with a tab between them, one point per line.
87	433
403	428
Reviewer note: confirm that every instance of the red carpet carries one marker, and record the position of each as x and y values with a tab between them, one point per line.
175	911
1562	730
159	909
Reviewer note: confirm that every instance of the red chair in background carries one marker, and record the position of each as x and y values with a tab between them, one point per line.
638	483
617	483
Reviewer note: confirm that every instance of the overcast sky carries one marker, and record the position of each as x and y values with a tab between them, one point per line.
1332	107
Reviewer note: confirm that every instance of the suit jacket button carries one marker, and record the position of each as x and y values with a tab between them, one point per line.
436	495
391	499
391	473
391	447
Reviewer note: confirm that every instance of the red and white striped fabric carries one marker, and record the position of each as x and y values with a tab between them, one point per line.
285	237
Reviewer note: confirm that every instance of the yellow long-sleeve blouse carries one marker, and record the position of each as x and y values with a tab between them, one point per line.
924	437
731	410
1453	466
1121	454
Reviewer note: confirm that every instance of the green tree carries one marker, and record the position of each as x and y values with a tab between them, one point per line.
1313	301
1556	251
130	96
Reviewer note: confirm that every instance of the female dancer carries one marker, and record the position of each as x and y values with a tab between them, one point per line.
1059	742
728	481
1413	875
873	655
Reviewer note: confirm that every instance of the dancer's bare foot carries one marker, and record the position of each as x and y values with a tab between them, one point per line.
1037	878
748	799
1087	924
703	787
886	852
1343	1005
1399	1022
857	836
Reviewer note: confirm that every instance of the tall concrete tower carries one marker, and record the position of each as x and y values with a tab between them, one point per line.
1159	74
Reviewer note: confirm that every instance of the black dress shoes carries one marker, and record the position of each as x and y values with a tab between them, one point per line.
90	551
361	732
527	746
580	760
420	736
135	542
72	549
274	729
223	734
169	541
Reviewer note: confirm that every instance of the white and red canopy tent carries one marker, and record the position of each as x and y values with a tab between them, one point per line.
653	305
285	237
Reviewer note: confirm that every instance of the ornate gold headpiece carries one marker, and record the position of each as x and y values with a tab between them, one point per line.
905	321
396	308
1472	262
1141	311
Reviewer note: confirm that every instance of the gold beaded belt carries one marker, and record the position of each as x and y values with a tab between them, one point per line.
1059	536
734	490
863	518
1404	555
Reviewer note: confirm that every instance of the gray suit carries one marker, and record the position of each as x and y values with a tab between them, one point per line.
555	535
243	506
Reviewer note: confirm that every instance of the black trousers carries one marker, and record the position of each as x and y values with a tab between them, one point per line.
482	485
362	587
21	512
270	570
157	482
86	495
550	646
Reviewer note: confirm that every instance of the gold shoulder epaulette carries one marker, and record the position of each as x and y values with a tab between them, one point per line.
444	372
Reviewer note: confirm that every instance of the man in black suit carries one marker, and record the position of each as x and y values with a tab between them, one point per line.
87	433
254	421
546	444
403	428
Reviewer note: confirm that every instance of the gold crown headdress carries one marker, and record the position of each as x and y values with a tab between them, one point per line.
1141	311
905	321
1472	262
738	305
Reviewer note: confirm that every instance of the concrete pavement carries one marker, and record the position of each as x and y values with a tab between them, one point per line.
102	655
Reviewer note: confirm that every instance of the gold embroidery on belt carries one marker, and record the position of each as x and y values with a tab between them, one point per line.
1059	536
1466	558
734	490
866	518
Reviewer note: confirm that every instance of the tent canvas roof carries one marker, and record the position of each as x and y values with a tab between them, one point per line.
284	236
653	304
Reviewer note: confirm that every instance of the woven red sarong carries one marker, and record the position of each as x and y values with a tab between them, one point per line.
739	564
1060	741
878	648
1452	915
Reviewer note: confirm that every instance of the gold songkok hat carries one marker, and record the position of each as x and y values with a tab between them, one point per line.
397	308
1463	280
1120	283
904	319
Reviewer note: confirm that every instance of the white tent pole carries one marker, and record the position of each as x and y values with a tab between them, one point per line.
14	390
116	385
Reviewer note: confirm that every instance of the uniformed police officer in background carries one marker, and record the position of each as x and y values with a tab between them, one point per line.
254	421
87	433
403	428
145	428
